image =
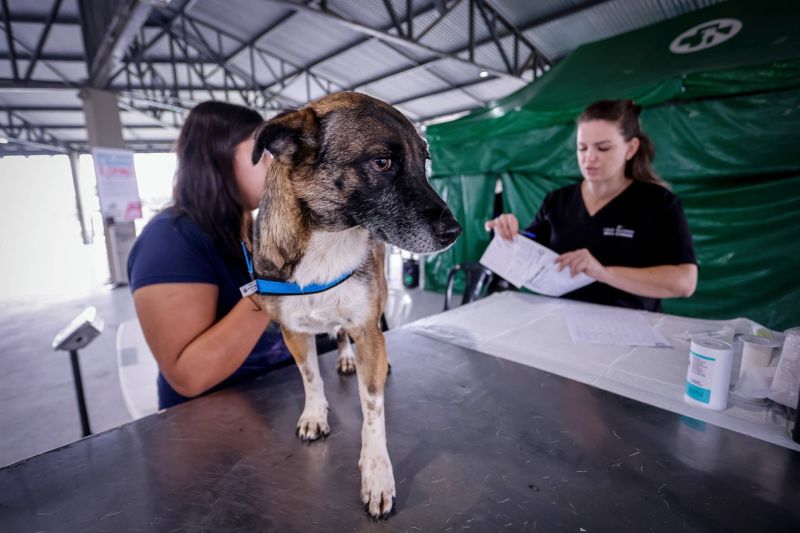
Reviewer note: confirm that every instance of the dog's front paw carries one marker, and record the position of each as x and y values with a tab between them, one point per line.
377	485
313	423
346	364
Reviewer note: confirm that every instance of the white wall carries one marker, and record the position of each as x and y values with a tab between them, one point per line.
42	256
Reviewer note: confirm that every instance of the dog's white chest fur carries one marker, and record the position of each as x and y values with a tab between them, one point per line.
328	256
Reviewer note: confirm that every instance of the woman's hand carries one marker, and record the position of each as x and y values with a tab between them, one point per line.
506	225
661	281
581	261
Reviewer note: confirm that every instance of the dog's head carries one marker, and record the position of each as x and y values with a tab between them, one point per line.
352	161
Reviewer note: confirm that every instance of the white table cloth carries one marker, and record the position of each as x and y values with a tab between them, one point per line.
532	330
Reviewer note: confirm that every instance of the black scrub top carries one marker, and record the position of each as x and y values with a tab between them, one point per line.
643	226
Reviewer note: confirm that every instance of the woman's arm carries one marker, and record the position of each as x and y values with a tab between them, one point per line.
193	352
662	281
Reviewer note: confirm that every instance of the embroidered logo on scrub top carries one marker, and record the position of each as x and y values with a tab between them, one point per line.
619	231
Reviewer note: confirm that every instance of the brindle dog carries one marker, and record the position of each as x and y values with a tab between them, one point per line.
348	174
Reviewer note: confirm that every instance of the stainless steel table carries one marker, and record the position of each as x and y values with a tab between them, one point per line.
476	441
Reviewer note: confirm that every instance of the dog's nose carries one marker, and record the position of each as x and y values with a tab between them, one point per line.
447	228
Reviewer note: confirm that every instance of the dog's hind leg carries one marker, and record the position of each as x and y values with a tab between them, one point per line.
346	363
377	477
313	422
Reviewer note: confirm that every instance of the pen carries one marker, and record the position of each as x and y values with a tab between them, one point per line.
528	234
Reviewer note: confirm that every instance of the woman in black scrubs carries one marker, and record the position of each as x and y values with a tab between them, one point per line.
620	225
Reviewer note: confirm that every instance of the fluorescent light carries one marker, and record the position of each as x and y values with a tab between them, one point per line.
483	74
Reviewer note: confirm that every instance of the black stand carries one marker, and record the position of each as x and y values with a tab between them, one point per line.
76	374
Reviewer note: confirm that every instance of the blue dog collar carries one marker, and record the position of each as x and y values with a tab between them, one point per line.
272	287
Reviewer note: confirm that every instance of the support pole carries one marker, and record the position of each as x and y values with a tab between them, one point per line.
76	186
104	127
76	374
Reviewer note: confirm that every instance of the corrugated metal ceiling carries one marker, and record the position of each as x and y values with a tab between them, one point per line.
271	54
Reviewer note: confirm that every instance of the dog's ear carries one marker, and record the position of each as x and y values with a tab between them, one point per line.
288	137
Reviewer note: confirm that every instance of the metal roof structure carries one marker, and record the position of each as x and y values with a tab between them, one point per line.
433	59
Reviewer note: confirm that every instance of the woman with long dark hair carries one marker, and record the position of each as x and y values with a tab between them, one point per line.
186	267
620	225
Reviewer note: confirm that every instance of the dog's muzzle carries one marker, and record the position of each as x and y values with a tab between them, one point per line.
447	229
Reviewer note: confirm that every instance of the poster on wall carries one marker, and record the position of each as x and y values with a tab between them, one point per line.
116	184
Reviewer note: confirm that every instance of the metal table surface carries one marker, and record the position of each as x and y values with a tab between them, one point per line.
477	443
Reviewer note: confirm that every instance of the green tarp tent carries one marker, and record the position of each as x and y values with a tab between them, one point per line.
720	89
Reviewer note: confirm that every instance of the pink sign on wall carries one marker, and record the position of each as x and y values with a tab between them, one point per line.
116	184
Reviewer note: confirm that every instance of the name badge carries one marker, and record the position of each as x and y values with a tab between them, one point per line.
619	231
248	288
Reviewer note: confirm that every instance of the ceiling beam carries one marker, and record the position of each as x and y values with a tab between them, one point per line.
67	57
398	27
9	38
31	144
443	90
260	35
41	109
20	130
206	50
27	18
62	19
12	85
140	48
198	42
430	118
132	108
386	37
43	38
83	126
107	35
282	81
523	28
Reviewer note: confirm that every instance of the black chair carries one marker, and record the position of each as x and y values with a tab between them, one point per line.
478	278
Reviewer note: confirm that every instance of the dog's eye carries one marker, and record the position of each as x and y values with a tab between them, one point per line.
382	164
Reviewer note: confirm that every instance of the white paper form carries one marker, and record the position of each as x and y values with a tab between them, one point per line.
620	327
526	263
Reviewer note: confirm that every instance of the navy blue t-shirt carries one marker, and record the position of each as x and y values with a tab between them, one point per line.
641	227
173	249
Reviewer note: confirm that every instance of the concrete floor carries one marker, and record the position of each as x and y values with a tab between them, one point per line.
39	408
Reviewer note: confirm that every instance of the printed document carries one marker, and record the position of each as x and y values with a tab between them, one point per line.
622	327
524	262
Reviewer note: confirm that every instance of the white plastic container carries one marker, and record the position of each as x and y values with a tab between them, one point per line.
787	376
756	352
709	373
